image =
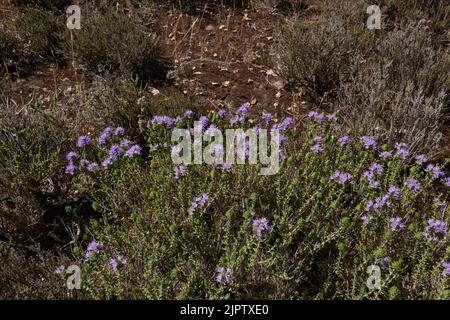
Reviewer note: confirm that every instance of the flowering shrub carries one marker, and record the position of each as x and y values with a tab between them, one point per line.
310	231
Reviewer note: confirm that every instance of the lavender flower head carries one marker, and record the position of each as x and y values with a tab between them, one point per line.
106	163
366	218
260	225
204	121
341	177
402	150
163	121
119	131
317	148
244	109
368	142
72	156
59	269
413	185
224	277
394	192
222	113
93	247
385	155
421	159
446	266
179	170
344	140
188	114
71	168
113	264
267	117
395	224
134	150
83	141
115	152
198	201
384	263
105	136
287	123
316	116
92	166
436	230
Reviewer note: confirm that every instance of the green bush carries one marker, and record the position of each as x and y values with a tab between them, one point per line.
43	30
115	42
8	45
318	55
331	213
402	93
32	148
124	103
44	4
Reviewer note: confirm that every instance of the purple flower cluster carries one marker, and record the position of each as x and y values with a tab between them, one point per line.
241	114
134	150
402	150
366	218
446	266
222	113
83	141
181	169
188	114
204	121
106	135
260	225
413	185
286	124
115	152
71	168
316	116
384	263
267	117
93	247
224	166
344	140
385	155
114	263
166	121
342	177
384	200
59	269
446	180
317	148
435	170
369	142
374	169
436	230
199	201
421	159
119	131
395	224
224	277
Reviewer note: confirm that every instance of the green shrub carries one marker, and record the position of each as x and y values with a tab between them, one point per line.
115	42
318	55
323	233
32	148
43	30
124	103
403	93
44	4
8	45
